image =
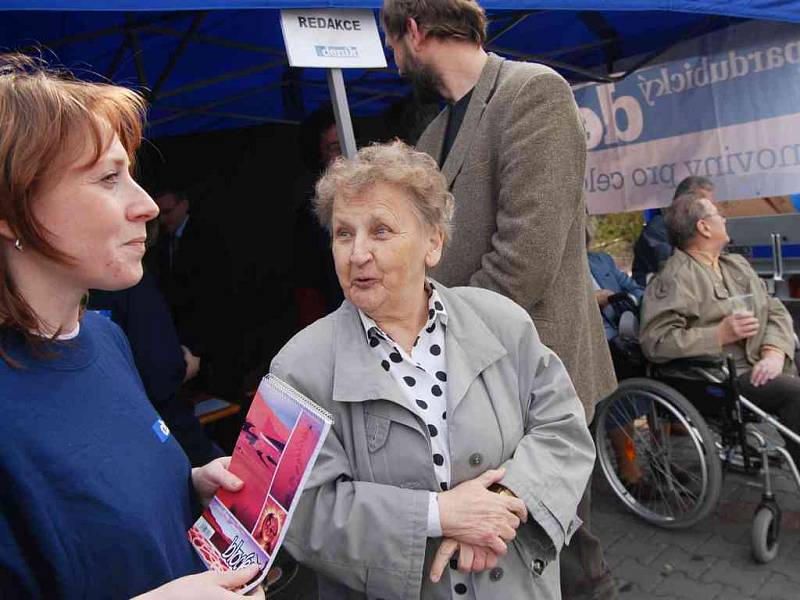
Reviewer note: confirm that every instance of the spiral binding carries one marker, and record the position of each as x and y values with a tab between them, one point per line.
278	384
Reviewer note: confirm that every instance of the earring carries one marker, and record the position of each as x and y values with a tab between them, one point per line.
18	244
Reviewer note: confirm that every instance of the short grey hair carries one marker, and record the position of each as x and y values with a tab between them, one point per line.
693	183
394	163
682	216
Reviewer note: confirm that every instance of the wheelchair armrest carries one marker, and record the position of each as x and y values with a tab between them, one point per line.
703	362
708	368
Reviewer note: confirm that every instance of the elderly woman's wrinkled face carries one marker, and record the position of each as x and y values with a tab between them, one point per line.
97	216
381	250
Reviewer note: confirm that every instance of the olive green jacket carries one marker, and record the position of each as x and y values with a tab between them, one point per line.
684	304
361	522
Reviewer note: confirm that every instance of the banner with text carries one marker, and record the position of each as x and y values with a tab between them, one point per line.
729	112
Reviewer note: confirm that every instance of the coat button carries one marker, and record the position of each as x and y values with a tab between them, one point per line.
496	574
538	566
475	459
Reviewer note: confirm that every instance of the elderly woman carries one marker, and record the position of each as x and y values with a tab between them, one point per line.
688	311
456	429
96	495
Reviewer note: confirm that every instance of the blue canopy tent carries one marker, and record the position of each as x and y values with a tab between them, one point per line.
216	64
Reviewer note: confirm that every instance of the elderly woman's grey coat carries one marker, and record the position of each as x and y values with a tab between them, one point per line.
361	523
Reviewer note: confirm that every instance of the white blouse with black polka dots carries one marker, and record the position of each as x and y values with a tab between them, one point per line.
422	379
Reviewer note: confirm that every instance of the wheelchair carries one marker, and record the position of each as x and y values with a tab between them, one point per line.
682	423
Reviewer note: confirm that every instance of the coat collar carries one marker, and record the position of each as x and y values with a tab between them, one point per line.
469	344
481	93
471	347
729	268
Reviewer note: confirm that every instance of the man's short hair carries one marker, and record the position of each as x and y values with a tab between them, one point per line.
682	216
179	193
458	19
693	183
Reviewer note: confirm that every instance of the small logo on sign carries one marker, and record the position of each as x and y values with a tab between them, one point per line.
161	430
337	51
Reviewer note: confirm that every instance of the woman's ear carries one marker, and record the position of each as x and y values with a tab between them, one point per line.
435	247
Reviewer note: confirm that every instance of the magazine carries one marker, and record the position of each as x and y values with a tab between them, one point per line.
276	449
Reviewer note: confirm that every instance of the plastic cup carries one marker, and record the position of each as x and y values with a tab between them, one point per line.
742	304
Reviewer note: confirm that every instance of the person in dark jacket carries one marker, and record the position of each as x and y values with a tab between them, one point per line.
316	289
194	271
188	251
653	247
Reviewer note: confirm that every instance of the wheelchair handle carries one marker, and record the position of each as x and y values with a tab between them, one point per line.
777	257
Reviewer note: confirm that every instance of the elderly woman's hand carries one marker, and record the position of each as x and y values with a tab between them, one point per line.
472	514
471	559
209	478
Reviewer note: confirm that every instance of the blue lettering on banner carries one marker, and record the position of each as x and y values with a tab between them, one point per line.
161	430
337	51
717	87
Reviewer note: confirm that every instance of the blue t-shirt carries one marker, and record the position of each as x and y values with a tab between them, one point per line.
95	498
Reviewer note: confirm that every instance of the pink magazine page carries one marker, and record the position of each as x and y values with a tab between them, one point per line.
276	449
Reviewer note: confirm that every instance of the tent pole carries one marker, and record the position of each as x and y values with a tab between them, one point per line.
344	126
176	54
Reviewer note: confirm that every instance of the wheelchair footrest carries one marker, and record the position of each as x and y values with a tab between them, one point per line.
769	433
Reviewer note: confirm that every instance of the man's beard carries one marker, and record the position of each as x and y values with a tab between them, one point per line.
426	83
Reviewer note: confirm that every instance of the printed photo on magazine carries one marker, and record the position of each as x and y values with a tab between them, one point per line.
276	449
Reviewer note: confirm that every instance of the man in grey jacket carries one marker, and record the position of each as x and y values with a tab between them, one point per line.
513	150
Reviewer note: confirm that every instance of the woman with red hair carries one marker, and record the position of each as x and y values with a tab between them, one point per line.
97	495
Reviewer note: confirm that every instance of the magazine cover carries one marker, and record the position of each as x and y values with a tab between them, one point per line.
276	449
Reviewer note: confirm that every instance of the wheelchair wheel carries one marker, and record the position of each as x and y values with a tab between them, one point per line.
764	535
648	427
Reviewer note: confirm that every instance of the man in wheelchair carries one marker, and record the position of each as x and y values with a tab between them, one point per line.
705	302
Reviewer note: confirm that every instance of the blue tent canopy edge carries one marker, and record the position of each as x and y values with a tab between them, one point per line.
781	10
216	64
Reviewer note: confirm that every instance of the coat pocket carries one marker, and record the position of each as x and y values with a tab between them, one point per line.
397	450
377	432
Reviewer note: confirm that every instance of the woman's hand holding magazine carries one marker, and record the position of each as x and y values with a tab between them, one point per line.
211	585
209	478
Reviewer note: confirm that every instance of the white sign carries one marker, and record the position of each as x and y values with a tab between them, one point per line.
332	38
